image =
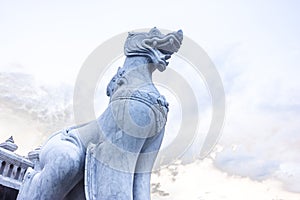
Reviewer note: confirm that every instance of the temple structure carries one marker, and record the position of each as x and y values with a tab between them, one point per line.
12	169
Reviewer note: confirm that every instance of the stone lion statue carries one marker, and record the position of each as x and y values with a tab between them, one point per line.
111	157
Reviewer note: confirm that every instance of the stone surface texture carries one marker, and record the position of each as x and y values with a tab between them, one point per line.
111	157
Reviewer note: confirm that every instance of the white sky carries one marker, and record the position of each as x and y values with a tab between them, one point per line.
255	46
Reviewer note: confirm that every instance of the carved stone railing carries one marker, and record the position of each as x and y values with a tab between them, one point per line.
12	169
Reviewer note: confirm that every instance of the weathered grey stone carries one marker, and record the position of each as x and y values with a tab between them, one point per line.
111	157
12	166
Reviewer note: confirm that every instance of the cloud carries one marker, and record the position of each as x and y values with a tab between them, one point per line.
242	162
254	44
31	110
201	180
262	123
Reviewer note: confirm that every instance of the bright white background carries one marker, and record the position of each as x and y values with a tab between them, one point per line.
254	44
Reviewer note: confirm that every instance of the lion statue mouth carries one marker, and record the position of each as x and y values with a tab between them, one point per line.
155	45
